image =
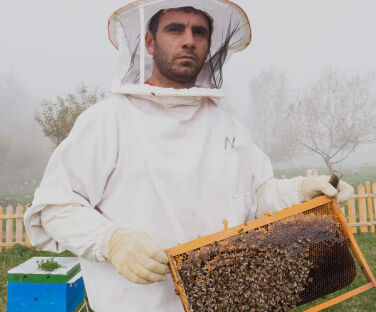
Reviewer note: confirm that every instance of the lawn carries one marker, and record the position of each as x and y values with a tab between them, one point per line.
10	258
14	198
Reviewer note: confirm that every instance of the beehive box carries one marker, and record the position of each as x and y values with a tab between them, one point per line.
31	289
270	264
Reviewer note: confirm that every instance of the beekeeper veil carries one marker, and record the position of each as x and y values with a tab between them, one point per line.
127	28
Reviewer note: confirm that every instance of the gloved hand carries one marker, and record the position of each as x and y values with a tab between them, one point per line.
315	186
137	257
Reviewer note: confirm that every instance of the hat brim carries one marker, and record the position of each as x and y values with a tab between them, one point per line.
211	7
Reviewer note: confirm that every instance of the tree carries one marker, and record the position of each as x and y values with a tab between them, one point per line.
57	118
270	99
335	115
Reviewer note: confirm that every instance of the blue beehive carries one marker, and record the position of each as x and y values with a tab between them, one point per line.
30	289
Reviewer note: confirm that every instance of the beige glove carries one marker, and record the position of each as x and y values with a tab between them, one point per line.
137	257
315	186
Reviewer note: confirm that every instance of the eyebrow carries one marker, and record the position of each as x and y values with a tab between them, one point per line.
174	25
200	29
195	28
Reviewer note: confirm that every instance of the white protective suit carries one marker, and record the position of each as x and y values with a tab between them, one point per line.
168	162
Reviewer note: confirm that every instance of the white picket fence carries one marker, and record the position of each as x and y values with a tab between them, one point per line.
360	212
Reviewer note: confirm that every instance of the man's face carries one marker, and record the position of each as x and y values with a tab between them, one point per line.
181	45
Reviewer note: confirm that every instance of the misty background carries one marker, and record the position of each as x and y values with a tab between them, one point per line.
48	48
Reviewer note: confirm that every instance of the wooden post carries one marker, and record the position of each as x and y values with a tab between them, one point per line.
362	209
1	228
19	224
374	199
352	214
9	225
27	239
369	207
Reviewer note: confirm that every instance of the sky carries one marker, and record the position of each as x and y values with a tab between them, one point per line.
52	46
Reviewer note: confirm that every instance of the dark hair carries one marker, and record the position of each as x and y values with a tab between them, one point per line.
154	21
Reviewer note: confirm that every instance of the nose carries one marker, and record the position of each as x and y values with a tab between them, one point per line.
188	40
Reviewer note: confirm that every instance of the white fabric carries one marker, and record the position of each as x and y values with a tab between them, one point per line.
87	232
173	171
223	13
147	90
128	24
276	194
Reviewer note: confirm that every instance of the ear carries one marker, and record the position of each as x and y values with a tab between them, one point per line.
149	42
209	46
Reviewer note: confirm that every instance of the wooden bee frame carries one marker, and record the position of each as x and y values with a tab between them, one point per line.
311	207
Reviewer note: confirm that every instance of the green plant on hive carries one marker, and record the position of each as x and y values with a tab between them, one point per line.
48	265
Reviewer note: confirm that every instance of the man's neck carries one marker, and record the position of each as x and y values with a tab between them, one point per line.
159	80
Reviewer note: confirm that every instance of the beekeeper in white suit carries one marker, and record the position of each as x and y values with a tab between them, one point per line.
159	162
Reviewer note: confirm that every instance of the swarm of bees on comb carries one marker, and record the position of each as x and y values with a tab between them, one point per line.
272	268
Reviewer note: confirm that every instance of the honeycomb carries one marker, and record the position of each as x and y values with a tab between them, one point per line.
274	267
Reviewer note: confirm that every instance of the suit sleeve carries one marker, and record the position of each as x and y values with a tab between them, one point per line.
72	186
274	194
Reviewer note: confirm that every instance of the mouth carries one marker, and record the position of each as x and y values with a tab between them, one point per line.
187	58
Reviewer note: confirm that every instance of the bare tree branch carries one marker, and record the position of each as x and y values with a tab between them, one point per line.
336	115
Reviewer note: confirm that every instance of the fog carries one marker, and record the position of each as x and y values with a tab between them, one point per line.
49	47
23	149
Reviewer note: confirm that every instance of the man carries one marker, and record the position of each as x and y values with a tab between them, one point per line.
158	157
180	42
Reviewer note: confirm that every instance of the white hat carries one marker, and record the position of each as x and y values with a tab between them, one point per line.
231	33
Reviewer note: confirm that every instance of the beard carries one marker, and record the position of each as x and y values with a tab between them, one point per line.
179	71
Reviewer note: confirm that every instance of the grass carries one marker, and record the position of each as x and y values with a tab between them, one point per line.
366	302
14	198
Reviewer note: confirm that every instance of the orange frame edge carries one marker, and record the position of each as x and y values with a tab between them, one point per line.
285	213
359	258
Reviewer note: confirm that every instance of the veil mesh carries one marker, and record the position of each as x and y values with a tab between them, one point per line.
231	33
